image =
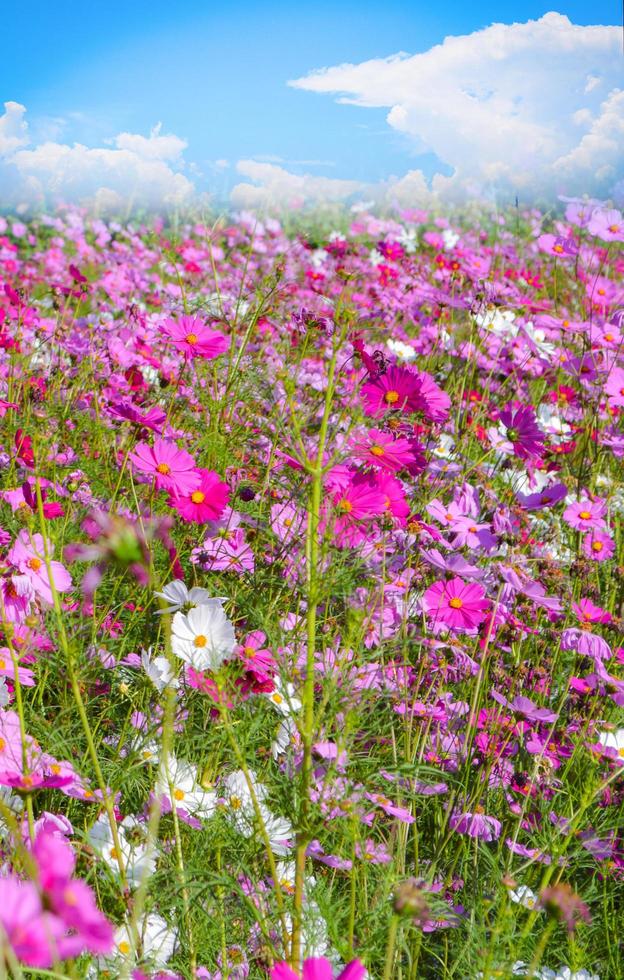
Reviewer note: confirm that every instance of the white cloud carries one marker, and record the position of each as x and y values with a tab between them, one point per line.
276	187
523	107
137	171
154	147
13	128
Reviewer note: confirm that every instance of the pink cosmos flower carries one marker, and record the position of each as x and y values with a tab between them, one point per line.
28	556
152	418
70	898
256	657
607	224
614	387
318	968
16	595
586	515
32	933
558	246
227	552
456	604
401	389
598	546
206	502
382	450
171	468
356	500
477	824
547	498
192	336
519	427
587	612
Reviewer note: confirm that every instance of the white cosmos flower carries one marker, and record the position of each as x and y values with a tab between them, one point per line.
284	699
204	637
185	791
408	239
613	740
444	448
538	337
523	895
181	598
450	238
374	257
279	831
158	670
405	352
286	735
158	941
134	856
237	800
499	322
552	423
318	256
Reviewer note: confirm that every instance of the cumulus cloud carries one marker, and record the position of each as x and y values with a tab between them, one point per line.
525	108
13	128
136	171
274	186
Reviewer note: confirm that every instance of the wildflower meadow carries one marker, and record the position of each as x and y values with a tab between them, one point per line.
311	595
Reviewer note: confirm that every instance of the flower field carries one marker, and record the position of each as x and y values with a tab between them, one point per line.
311	597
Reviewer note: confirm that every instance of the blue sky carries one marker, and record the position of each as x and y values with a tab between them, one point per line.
216	74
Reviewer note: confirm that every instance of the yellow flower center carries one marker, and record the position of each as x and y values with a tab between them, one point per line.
391	397
345	506
558	248
198	497
250	651
191	338
163	468
200	640
377	450
178	794
69	897
455	603
614	228
276	698
584	515
124	947
236	802
597	546
34	563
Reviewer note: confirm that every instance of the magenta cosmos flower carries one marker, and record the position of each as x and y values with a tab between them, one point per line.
205	503
172	469
586	515
194	337
457	604
519	427
318	968
404	390
598	546
28	555
383	451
